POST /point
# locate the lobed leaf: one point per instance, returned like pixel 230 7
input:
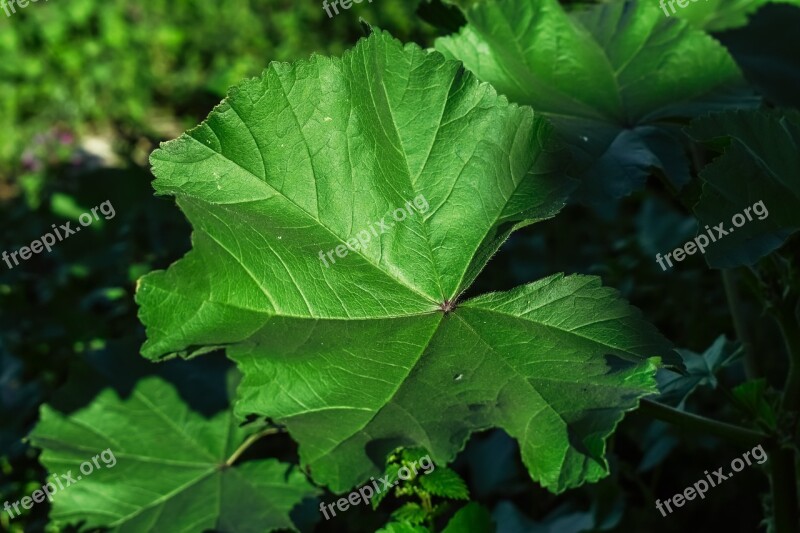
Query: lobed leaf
pixel 378 351
pixel 754 168
pixel 171 470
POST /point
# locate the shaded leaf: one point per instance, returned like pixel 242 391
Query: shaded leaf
pixel 758 402
pixel 566 518
pixel 701 370
pixel 472 518
pixel 613 79
pixel 766 51
pixel 662 227
pixel 719 15
pixel 759 165
pixel 493 465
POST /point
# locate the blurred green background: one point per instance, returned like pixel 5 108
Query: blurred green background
pixel 137 72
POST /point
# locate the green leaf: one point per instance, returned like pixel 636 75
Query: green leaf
pixel 409 455
pixel 445 483
pixel 437 13
pixel 409 458
pixel 170 470
pixel 410 513
pixel 613 79
pixel 754 169
pixel 433 380
pixel 390 475
pixel 472 518
pixel 719 15
pixel 701 370
pixel 377 351
pixel 300 161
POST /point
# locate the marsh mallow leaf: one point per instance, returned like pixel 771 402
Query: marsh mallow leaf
pixel 374 348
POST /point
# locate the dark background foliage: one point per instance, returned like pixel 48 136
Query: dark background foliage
pixel 88 88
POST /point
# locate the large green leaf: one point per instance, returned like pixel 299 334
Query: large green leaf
pixel 614 79
pixel 173 441
pixel 760 166
pixel 377 350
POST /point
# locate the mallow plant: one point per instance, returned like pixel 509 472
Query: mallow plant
pixel 380 357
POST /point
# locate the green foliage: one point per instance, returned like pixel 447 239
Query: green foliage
pixel 413 344
pixel 470 519
pixel 613 79
pixel 146 67
pixel 385 353
pixel 58 306
pixel 114 405
pixel 445 483
pixel 427 483
pixel 410 513
pixel 758 140
pixel 701 371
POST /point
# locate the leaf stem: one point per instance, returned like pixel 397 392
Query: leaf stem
pixel 751 368
pixel 784 490
pixel 690 421
pixel 249 442
pixel 791 336
pixel 427 505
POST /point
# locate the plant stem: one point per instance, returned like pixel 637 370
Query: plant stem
pixel 751 369
pixel 249 442
pixel 690 421
pixel 428 507
pixel 784 490
pixel 791 336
